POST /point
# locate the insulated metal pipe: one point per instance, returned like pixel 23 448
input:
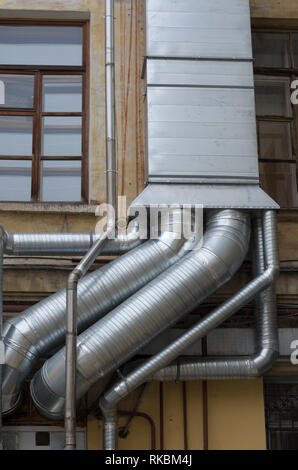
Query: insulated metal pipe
pixel 71 340
pixel 149 370
pixel 69 244
pixel 111 160
pixel 266 323
pixel 121 333
pixel 41 328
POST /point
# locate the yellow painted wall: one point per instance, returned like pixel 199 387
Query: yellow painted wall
pixel 236 418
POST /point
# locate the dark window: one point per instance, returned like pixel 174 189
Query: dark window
pixel 281 405
pixel 43 112
pixel 42 438
pixel 276 67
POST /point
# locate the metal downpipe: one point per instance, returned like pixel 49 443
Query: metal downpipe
pixel 150 370
pixel 110 113
pixel 120 334
pixel 71 340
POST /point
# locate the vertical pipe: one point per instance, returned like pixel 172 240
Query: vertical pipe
pixel 111 162
pixel 110 429
pixel 71 363
pixel 71 339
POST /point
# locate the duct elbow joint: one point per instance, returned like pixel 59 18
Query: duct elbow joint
pixel 272 272
pixel 73 279
pixel 264 360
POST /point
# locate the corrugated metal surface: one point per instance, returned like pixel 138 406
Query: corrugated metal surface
pixel 201 106
pixel 199 73
pixel 202 132
pixel 198 28
pixel 201 109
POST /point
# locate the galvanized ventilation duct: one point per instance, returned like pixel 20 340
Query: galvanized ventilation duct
pixel 265 320
pixel 67 244
pixel 42 327
pixel 255 366
pixel 202 143
pixel 121 333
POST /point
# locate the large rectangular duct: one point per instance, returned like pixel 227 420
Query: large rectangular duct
pixel 202 143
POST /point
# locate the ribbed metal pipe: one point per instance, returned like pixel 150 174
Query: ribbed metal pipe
pixel 67 244
pixel 266 321
pixel 41 328
pixel 267 333
pixel 121 333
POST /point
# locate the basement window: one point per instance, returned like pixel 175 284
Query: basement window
pixel 43 111
pixel 42 439
pixel 276 66
pixel 281 406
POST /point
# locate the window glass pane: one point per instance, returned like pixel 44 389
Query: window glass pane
pixel 16 135
pixel 273 97
pixel 62 136
pixel 62 93
pixel 279 181
pixel 295 48
pixel 15 180
pixel 271 50
pixel 40 45
pixel 275 140
pixel 16 91
pixel 42 439
pixel 61 180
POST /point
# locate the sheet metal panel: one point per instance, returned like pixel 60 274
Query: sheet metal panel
pixel 192 133
pixel 198 28
pixel 199 73
pixel 211 196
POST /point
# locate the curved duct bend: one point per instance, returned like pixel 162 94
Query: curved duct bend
pixel 265 319
pixel 207 367
pixel 41 328
pixel 121 333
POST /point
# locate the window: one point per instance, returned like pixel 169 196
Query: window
pixel 42 439
pixel 281 406
pixel 276 66
pixel 43 112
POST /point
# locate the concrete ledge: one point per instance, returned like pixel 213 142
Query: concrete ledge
pixel 65 208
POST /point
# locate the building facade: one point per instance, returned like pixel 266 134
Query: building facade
pixel 58 191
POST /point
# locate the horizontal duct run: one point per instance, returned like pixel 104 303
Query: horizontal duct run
pixel 121 333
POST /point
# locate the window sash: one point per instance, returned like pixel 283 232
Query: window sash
pixel 283 170
pixel 38 115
